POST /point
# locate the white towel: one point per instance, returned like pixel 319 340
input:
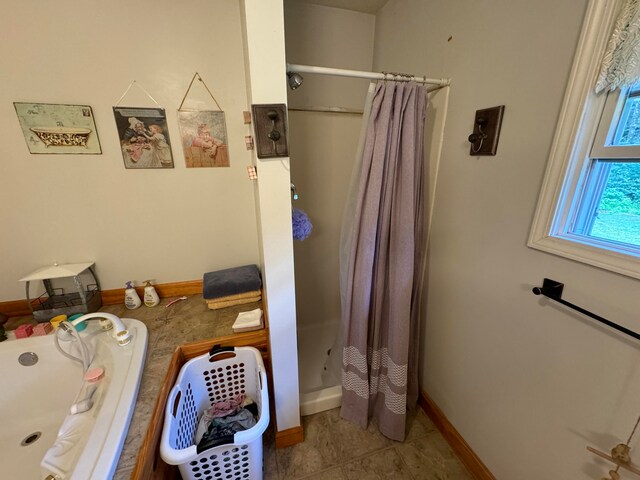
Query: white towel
pixel 247 321
pixel 61 458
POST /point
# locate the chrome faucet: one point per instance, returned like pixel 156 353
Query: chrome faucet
pixel 122 335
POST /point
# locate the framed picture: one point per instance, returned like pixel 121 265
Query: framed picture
pixel 204 138
pixel 58 129
pixel 144 137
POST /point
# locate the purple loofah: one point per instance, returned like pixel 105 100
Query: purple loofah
pixel 301 224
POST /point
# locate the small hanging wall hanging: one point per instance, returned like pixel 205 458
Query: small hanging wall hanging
pixel 204 133
pixel 620 457
pixel 143 134
pixel 58 129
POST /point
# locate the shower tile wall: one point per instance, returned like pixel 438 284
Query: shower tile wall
pixel 314 341
pixel 321 182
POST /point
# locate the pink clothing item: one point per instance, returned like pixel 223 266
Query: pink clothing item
pixel 135 150
pixel 220 410
pixel 227 407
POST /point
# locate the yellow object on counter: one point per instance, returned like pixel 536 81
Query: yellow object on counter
pixel 55 321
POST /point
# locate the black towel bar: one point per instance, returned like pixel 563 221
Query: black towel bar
pixel 553 290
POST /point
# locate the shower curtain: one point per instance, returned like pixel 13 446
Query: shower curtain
pixel 381 269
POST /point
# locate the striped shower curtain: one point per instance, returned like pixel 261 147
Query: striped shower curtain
pixel 382 268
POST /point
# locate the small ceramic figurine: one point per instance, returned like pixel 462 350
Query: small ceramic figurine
pixel 621 453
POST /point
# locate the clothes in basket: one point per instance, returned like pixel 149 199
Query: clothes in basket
pixel 224 419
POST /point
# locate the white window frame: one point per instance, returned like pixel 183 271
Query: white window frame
pixel 603 146
pixel 569 157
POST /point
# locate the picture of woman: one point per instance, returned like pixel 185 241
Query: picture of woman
pixel 142 146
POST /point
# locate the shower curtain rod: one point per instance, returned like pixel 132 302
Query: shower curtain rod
pixel 340 72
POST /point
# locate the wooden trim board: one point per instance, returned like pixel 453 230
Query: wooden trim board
pixel 257 339
pixel 461 448
pixel 149 464
pixel 19 308
pixel 15 308
pixel 289 437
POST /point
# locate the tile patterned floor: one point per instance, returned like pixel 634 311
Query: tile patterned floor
pixel 335 449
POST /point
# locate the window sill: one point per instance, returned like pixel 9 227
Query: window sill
pixel 574 249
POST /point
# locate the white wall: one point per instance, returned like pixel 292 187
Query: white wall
pixel 527 383
pixel 323 147
pixel 263 30
pixel 170 225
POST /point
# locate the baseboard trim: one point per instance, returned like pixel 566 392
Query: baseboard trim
pixel 18 308
pixel 461 448
pixel 289 437
pixel 15 308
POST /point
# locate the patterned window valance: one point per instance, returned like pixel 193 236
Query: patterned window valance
pixel 621 62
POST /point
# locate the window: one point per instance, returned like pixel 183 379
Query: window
pixel 607 207
pixel 589 206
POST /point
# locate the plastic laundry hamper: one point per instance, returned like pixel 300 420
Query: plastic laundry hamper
pixel 217 376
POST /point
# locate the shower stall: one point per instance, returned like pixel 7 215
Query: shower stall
pixel 324 125
pixel 325 118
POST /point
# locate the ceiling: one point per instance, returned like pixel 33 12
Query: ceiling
pixel 364 6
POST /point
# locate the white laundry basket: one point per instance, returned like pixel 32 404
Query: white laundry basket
pixel 217 376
